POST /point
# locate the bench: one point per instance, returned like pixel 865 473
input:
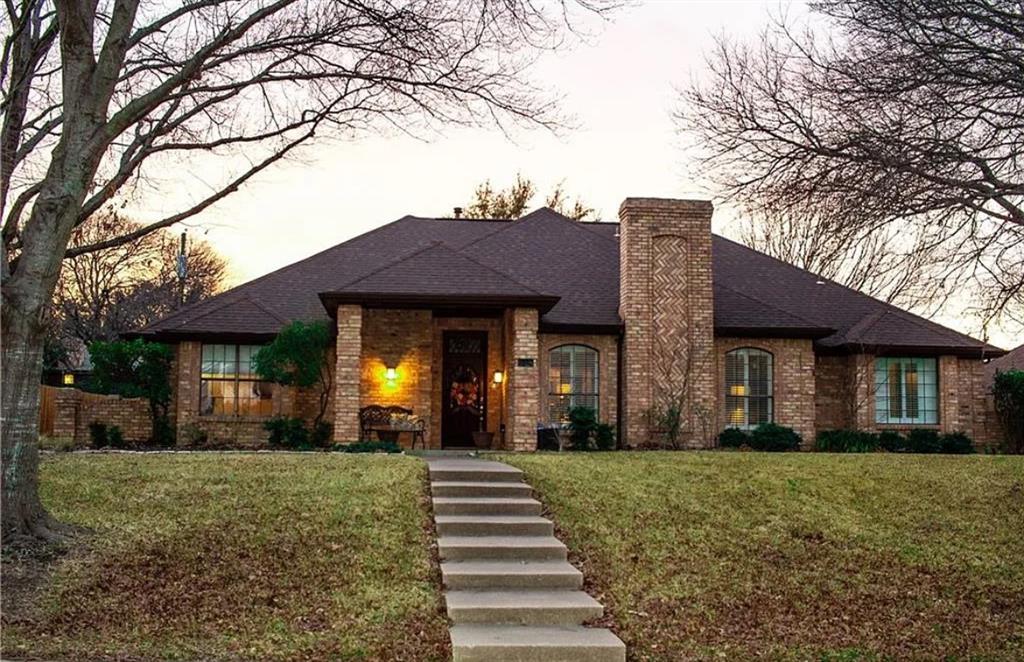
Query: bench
pixel 378 418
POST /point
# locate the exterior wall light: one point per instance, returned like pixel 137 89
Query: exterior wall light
pixel 390 374
pixel 499 376
pixel 69 378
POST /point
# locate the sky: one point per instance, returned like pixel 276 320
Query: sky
pixel 620 87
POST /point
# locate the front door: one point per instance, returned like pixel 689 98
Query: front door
pixel 463 384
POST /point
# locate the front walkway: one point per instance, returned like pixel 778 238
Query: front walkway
pixel 510 593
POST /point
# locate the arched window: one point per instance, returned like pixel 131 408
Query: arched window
pixel 748 387
pixel 572 380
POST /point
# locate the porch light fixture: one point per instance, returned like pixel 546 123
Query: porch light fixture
pixel 390 374
pixel 499 376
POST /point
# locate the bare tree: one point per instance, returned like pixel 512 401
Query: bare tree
pixel 99 95
pixel 515 201
pixel 890 149
pixel 105 293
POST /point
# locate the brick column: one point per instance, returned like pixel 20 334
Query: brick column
pixel 862 374
pixel 347 373
pixel 949 391
pixel 665 301
pixel 188 363
pixel 523 380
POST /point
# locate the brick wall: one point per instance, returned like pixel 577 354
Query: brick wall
pixel 608 370
pixel 523 393
pixel 347 373
pixel 845 397
pixel 793 381
pixel 666 303
pixel 74 410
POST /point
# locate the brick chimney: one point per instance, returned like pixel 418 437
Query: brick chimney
pixel 665 301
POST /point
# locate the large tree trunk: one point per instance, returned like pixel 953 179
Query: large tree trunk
pixel 23 512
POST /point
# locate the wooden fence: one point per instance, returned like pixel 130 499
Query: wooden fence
pixel 47 409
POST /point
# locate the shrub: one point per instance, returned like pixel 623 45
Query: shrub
pixel 322 433
pixel 194 436
pixel 604 437
pixel 846 441
pixel 137 369
pixel 733 438
pixel 669 420
pixel 773 438
pixel 892 441
pixel 547 439
pixel 920 440
pixel 98 434
pixel 1008 392
pixel 298 356
pixel 287 432
pixel 956 443
pixel 582 425
pixel 370 447
pixel 115 438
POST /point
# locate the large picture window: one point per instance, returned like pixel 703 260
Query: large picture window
pixel 748 387
pixel 572 380
pixel 906 391
pixel 229 385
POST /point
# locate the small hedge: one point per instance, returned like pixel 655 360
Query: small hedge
pixel 765 437
pixel 917 440
pixel 287 432
pixel 369 447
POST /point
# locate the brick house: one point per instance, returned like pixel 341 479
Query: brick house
pixel 504 325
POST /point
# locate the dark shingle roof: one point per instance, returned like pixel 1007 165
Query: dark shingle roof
pixel 574 266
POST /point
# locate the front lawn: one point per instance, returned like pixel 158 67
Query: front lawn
pixel 798 555
pixel 233 556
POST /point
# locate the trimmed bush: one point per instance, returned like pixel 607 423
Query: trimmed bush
pixel 287 432
pixel 774 438
pixel 920 440
pixel 370 447
pixel 733 438
pixel 582 425
pixel 846 441
pixel 604 437
pixel 98 434
pixel 892 441
pixel 322 433
pixel 115 438
pixel 956 443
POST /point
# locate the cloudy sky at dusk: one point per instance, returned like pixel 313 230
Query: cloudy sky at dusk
pixel 620 87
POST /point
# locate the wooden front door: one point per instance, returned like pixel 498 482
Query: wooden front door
pixel 464 387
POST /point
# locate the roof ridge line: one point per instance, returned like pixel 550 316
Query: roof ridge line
pixel 905 314
pixel 493 270
pixel 387 265
pixel 282 269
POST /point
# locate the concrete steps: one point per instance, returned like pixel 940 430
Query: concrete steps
pixel 468 489
pixel 510 593
pixel 486 506
pixel 501 548
pixel 493 525
pixel 489 643
pixel 522 607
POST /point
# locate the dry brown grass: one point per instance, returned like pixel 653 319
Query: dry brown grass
pixel 269 557
pixel 797 556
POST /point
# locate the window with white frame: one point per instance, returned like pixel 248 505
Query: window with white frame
pixel 748 387
pixel 572 380
pixel 906 391
pixel 229 385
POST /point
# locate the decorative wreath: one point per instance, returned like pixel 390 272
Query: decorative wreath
pixel 465 389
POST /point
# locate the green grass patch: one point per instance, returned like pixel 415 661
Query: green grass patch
pixel 796 556
pixel 236 556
